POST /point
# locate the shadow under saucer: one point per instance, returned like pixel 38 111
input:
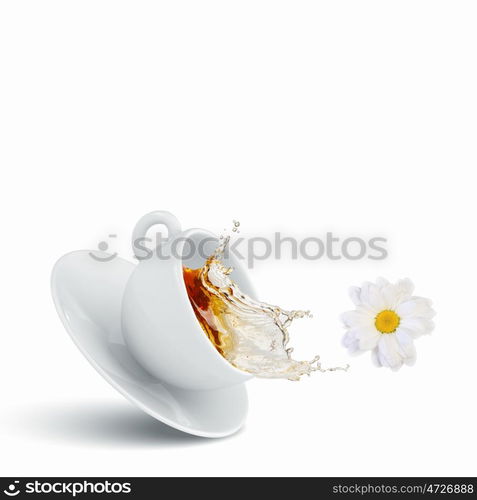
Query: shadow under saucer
pixel 97 423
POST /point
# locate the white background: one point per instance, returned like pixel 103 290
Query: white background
pixel 300 116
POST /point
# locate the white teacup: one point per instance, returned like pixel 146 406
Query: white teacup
pixel 160 326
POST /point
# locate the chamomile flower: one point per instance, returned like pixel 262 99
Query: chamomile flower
pixel 386 321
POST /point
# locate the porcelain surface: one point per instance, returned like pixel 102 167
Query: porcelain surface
pixel 88 294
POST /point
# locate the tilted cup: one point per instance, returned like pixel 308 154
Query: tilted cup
pixel 159 323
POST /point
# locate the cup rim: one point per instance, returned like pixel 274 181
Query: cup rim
pixel 178 268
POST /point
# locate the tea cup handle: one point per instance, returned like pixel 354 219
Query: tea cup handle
pixel 147 221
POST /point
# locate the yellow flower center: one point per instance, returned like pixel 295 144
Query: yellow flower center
pixel 387 321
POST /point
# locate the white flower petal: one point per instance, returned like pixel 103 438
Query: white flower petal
pixel 354 293
pixel 406 344
pixel 417 326
pixel 368 338
pixel 349 337
pixel 404 287
pixel 389 352
pixel 376 299
pixel 364 296
pixel 381 282
pixel 356 318
pixel 350 341
pixel 375 357
pixel 390 296
pixel 416 306
pixel 371 296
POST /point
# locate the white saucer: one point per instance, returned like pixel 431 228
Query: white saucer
pixel 87 294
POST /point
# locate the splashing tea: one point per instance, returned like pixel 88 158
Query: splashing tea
pixel 252 335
